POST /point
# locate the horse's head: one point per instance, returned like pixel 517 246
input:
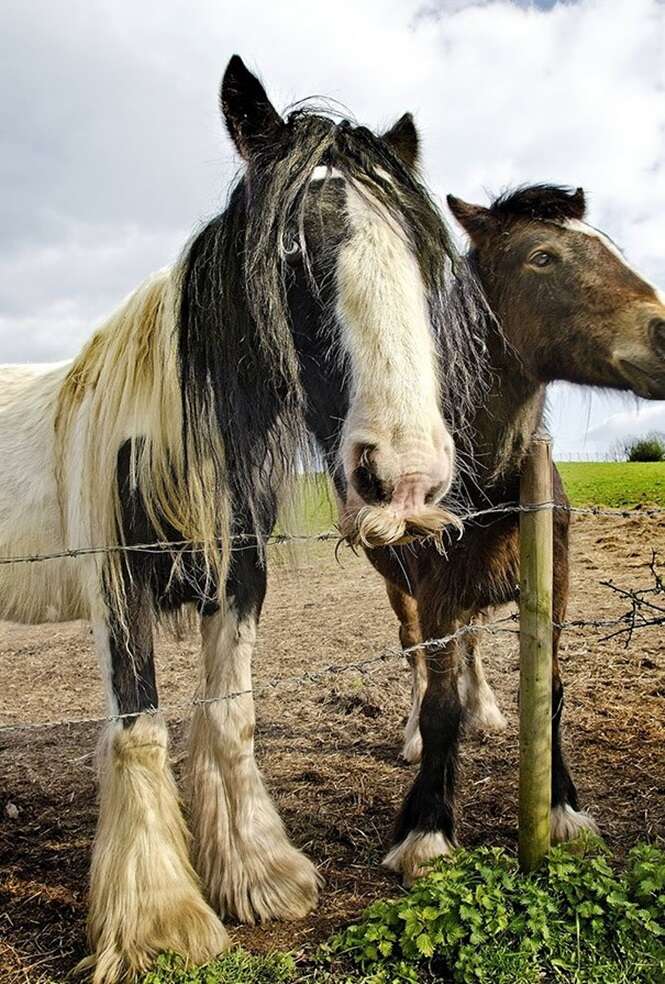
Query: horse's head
pixel 564 294
pixel 362 258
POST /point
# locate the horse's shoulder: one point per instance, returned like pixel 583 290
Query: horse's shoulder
pixel 29 379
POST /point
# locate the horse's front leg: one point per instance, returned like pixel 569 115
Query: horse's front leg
pixel 144 895
pixel 425 827
pixel 241 850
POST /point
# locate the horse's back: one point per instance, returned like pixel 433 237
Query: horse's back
pixel 30 518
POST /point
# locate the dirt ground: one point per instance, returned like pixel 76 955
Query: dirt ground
pixel 329 749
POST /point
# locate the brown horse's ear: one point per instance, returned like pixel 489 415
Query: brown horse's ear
pixel 578 203
pixel 474 219
pixel 251 119
pixel 403 140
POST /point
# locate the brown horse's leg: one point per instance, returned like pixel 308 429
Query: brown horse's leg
pixel 567 819
pixel 426 825
pixel 480 706
pixel 406 609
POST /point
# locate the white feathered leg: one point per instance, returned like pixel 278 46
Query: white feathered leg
pixel 242 853
pixel 144 895
pixel 413 744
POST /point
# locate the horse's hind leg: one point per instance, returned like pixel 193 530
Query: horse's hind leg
pixel 242 853
pixel 480 706
pixel 406 609
pixel 567 820
pixel 144 895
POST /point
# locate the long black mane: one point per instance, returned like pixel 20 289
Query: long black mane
pixel 238 363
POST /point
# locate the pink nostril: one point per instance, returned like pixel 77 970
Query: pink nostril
pixel 406 478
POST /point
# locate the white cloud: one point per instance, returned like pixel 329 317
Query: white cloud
pixel 630 423
pixel 113 149
pixel 81 278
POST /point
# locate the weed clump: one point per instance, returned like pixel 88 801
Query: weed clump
pixel 476 918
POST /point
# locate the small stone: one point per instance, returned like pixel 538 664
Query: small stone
pixel 12 811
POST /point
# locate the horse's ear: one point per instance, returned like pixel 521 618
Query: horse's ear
pixel 474 219
pixel 403 140
pixel 578 202
pixel 251 119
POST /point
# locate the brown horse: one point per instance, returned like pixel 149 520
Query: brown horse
pixel 566 306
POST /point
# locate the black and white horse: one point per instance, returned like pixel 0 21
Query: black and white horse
pixel 319 302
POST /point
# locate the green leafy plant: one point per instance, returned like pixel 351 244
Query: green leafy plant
pixel 477 919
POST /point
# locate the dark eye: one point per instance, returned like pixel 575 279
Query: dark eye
pixel 541 258
pixel 291 249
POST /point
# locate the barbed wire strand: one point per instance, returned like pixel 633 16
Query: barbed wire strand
pixel 250 539
pixel 310 676
pixel 627 623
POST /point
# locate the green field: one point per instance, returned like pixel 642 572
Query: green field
pixel 614 483
pixel 618 484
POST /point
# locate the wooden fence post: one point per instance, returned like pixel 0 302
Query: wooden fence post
pixel 535 656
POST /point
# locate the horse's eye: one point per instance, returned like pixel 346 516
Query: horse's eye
pixel 291 250
pixel 540 258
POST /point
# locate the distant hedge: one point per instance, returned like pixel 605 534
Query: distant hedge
pixel 648 448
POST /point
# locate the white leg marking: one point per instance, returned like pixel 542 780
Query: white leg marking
pixel 476 695
pixel 241 850
pixel 144 895
pixel 567 823
pixel 409 858
pixel 413 743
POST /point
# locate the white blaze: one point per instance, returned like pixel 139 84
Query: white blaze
pixel 386 334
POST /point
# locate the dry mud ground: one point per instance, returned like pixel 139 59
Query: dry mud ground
pixel 328 749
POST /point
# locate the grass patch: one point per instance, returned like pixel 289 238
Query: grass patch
pixel 235 967
pixel 313 509
pixel 618 484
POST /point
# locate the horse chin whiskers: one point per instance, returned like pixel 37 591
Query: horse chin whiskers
pixel 378 526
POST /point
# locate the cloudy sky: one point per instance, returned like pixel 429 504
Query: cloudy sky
pixel 112 149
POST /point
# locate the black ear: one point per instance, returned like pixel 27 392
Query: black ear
pixel 578 204
pixel 403 140
pixel 476 221
pixel 251 119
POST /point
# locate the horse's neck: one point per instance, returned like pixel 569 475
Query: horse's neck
pixel 511 415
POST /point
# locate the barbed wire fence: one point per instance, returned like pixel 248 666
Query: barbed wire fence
pixel 645 608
